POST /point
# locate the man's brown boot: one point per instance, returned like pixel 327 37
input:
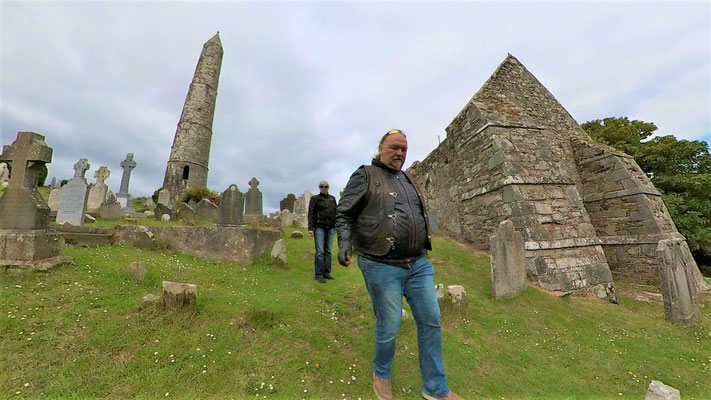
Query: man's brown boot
pixel 450 396
pixel 382 388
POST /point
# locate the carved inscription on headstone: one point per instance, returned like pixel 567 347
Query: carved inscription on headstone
pixel 75 193
pixel 231 207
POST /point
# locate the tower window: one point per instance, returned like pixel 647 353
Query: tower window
pixel 186 172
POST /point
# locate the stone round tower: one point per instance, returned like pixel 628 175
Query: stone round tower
pixel 190 154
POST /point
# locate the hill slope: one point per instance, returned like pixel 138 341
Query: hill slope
pixel 264 331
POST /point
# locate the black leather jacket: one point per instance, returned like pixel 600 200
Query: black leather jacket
pixel 322 211
pixel 384 217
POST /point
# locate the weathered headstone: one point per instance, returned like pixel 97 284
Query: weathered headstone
pixel 205 210
pixel 57 184
pixel 122 196
pixel 164 197
pixel 110 209
pixel 165 217
pixel 678 282
pixel 434 223
pixel 186 212
pixel 4 173
pixel 253 199
pixel 150 203
pixel 231 207
pixel 279 251
pixel 98 191
pixel 179 295
pixel 301 209
pixel 52 183
pixel 508 261
pixel 24 216
pixel 287 203
pixel 55 197
pixel 297 235
pixel 160 210
pixel 287 218
pixel 659 391
pixel 75 193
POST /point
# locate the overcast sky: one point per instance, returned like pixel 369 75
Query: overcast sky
pixel 308 88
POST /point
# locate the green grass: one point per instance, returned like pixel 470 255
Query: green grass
pixel 77 332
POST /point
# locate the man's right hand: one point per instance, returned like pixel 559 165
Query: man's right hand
pixel 344 255
pixel 311 233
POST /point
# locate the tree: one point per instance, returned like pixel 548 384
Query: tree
pixel 680 170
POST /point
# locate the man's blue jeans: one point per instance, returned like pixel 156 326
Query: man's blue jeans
pixel 386 285
pixel 323 239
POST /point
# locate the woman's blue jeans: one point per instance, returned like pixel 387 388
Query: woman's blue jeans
pixel 323 239
pixel 387 285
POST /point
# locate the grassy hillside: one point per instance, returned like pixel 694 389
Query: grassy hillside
pixel 265 331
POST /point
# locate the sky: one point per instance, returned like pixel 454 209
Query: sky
pixel 307 89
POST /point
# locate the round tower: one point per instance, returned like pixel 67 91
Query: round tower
pixel 190 154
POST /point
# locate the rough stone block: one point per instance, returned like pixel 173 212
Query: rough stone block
pixel 508 271
pixel 678 282
pixel 458 296
pixel 659 391
pixel 297 235
pixel 137 270
pixel 179 295
pixel 279 251
pixel 150 301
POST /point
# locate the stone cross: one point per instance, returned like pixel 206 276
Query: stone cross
pixel 253 183
pixel 25 155
pixel 128 164
pixel 22 207
pixel 81 167
pixel 253 199
pixel 101 175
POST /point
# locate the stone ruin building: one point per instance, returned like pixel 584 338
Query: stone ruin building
pixel 587 212
pixel 190 154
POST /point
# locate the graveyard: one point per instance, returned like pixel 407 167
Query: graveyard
pixel 565 274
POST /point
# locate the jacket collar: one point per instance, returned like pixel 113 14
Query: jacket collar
pixel 379 164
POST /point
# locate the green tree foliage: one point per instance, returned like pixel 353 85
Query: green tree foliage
pixel 680 169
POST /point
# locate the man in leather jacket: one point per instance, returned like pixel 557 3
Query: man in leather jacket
pixel 382 218
pixel 322 218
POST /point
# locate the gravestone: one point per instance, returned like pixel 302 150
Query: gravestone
pixel 150 203
pixel 110 209
pixel 432 219
pixel 508 261
pixel 205 210
pixel 279 251
pixel 231 207
pixel 75 193
pixel 301 209
pixel 97 193
pixel 160 210
pixel 287 218
pixel 179 295
pixel 164 197
pixel 24 216
pixel 186 212
pixel 287 203
pixel 678 282
pixel 55 196
pixel 4 173
pixel 123 197
pixel 52 183
pixel 253 199
pixel 458 296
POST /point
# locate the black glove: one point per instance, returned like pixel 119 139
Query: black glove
pixel 344 254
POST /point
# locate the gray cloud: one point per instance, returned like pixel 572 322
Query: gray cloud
pixel 306 89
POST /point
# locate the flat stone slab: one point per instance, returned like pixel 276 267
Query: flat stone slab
pixel 231 243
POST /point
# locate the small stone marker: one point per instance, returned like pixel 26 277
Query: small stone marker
pixel 165 217
pixel 287 219
pixel 253 199
pixel 279 251
pixel 439 291
pixel 297 235
pixel 458 296
pixel 301 209
pixel 186 212
pixel 110 209
pixel 678 283
pixel 231 208
pixel 149 301
pixel 206 210
pixel 287 203
pixel 75 194
pixel 149 213
pixel 150 203
pixel 508 261
pixel 137 270
pixel 98 191
pixel 660 391
pixel 179 295
pixel 52 183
